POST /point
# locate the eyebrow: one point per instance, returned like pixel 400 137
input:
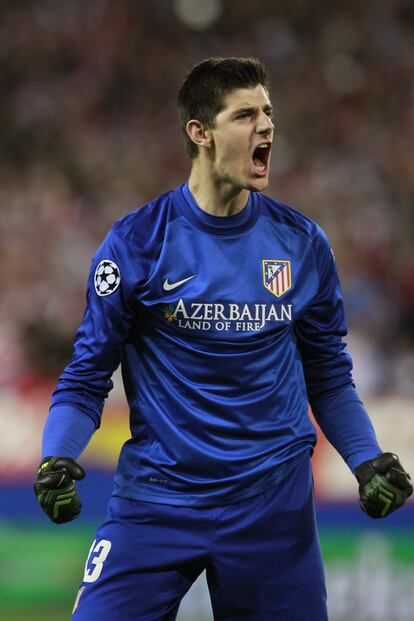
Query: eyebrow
pixel 266 108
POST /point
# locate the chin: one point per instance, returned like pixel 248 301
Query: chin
pixel 258 184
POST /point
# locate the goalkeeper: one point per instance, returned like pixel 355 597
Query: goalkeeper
pixel 224 308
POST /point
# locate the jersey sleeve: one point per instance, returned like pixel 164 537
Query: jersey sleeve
pixel 105 328
pixel 326 362
pixel 327 366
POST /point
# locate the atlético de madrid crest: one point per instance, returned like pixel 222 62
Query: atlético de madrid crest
pixel 277 276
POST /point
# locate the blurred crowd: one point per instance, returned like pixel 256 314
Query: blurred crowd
pixel 89 131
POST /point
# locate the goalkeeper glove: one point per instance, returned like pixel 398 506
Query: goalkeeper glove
pixel 384 485
pixel 55 489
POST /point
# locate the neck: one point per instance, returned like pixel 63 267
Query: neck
pixel 215 196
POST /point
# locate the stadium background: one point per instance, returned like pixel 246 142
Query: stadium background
pixel 88 131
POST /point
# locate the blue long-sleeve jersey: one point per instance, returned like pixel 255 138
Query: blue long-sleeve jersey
pixel 226 327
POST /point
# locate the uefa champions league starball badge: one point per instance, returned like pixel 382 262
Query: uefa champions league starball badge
pixel 107 277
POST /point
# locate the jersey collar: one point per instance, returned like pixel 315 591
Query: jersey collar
pixel 216 225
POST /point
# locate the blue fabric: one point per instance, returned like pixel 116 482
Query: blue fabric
pixel 225 328
pixel 346 424
pixel 262 558
pixel 76 427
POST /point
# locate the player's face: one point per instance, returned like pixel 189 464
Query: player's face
pixel 242 136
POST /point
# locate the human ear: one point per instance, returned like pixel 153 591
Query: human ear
pixel 200 135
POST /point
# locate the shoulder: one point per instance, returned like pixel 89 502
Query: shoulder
pixel 147 221
pixel 135 240
pixel 280 213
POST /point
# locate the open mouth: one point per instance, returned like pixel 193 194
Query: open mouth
pixel 261 158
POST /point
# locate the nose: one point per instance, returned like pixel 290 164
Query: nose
pixel 265 124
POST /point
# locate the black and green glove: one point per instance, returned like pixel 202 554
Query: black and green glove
pixel 55 489
pixel 384 485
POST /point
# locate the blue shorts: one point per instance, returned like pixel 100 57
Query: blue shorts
pixel 261 555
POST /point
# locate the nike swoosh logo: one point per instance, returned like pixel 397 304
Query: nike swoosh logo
pixel 167 286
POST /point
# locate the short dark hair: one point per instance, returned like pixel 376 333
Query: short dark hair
pixel 205 87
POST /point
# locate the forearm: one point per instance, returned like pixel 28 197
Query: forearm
pixel 67 431
pixel 345 422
